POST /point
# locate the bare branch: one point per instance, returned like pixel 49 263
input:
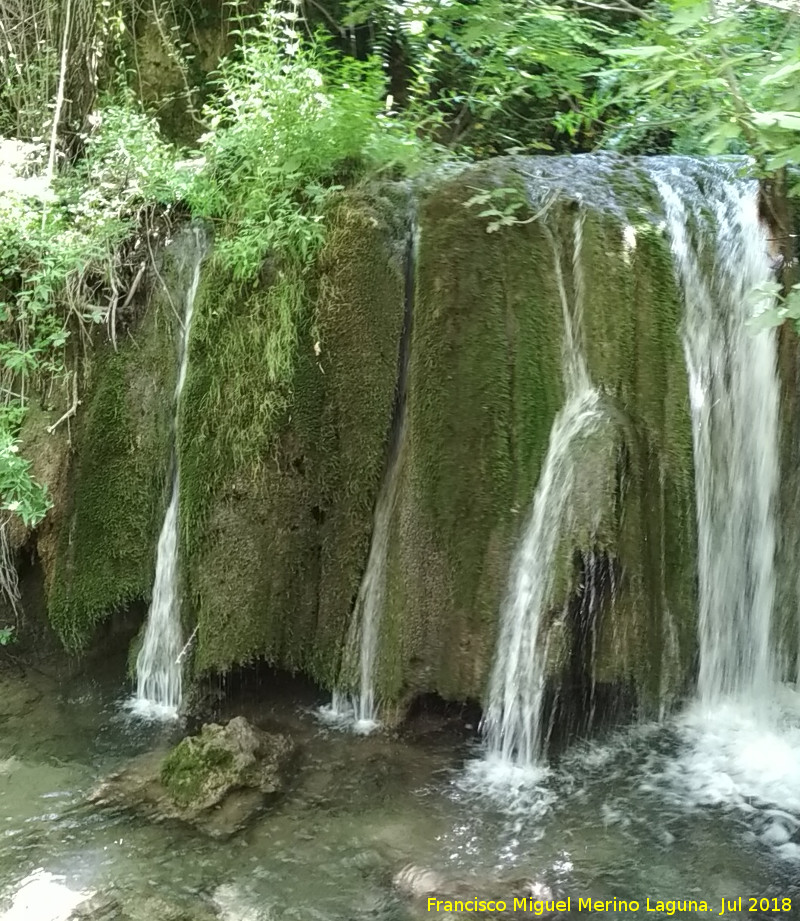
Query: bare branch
pixel 72 410
pixel 621 6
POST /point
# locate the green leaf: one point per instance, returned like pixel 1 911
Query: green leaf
pixel 780 73
pixel 788 120
pixel 785 157
pixel 687 18
pixel 767 319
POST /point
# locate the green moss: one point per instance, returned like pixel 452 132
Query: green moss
pixel 242 355
pixel 633 342
pixel 106 544
pixel 285 423
pixel 787 626
pixel 188 769
pixel 278 480
pixel 485 385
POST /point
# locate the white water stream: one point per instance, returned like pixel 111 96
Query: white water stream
pixel 721 260
pixel 742 733
pixel 512 722
pixel 360 710
pixel 158 666
pixel 740 738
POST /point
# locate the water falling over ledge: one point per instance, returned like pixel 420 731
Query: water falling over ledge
pixel 738 742
pixel 359 711
pixel 512 722
pixel 741 734
pixel 159 691
pixel 721 261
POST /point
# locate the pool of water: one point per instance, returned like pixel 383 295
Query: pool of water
pixel 676 811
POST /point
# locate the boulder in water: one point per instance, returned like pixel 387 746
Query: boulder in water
pixel 215 781
pixel 202 770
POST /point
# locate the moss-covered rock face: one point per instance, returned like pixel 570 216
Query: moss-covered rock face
pixel 485 384
pixel 191 767
pixel 785 213
pixel 279 474
pixel 278 481
pixel 106 532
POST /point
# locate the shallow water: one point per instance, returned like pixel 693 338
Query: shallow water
pixel 632 818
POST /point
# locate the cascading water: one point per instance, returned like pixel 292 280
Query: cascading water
pixel 721 259
pixel 158 667
pixel 742 734
pixel 360 710
pixel 512 722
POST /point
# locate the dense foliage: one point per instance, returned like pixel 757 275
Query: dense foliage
pixel 313 97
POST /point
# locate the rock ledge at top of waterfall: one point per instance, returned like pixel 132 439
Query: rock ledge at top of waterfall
pixel 216 781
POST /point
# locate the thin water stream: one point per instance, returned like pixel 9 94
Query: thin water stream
pixel 158 666
pixel 358 709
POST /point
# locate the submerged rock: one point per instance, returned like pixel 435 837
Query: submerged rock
pixel 104 906
pixel 113 906
pixel 418 884
pixel 216 781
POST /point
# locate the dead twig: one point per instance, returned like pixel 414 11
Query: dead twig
pixel 72 410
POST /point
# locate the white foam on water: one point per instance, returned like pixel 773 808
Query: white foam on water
pixel 728 757
pixel 151 711
pixel 733 756
pixel 342 713
pixel 234 904
pixel 364 727
pixel 517 789
pixel 43 896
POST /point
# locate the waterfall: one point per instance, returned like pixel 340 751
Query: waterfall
pixel 158 668
pixel 360 710
pixel 512 722
pixel 721 260
pixel 741 736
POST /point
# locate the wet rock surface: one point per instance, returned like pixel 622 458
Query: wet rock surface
pixel 103 906
pixel 215 781
pixel 417 884
pixel 112 905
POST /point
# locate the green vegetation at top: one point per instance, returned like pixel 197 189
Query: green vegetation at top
pixel 292 122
